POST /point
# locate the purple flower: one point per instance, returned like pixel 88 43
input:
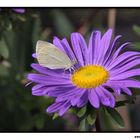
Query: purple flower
pixel 101 66
pixel 18 10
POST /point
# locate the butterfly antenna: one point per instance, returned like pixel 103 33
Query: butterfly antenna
pixel 28 84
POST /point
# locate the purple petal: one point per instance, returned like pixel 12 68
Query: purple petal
pixel 110 51
pixel 54 73
pixel 127 74
pixel 62 107
pixel 65 107
pixel 38 90
pixel 127 91
pixel 124 62
pixel 57 43
pixel 125 83
pixel 68 49
pixel 109 95
pixel 126 67
pixel 41 69
pixel 79 48
pixel 116 53
pixel 83 100
pixel 34 55
pixel 93 43
pixel 60 90
pixel 125 56
pixel 104 45
pixel 55 107
pixel 115 88
pixel 69 94
pixel 93 98
pixel 103 98
pixel 19 10
pixel 96 47
pixel 120 49
pixel 41 92
pixel 75 99
pixel 48 80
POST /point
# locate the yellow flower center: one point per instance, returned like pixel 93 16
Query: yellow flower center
pixel 90 76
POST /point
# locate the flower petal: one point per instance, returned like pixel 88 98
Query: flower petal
pixel 46 71
pixel 34 55
pixel 103 98
pixel 96 47
pixel 93 44
pixel 93 98
pixel 83 99
pixel 120 49
pixel 68 49
pixel 40 90
pixel 109 95
pixel 79 48
pixel 75 99
pixel 104 45
pixel 19 10
pixel 55 107
pixel 127 91
pixel 64 108
pixel 60 90
pixel 127 74
pixel 126 67
pixel 125 83
pixel 127 56
pixel 69 94
pixel 57 43
pixel 110 51
pixel 48 80
pixel 115 88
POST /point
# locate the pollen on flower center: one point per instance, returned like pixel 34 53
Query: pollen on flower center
pixel 90 76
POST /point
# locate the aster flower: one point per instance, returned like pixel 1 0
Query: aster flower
pixel 18 10
pixel 101 66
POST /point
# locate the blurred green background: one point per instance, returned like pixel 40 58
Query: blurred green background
pixel 19 110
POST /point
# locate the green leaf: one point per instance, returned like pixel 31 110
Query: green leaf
pixel 137 45
pixel 124 102
pixel 55 116
pixel 36 30
pixel 82 111
pixel 115 116
pixel 62 23
pixel 39 121
pixel 106 124
pixel 91 118
pixel 82 126
pixel 136 29
pixel 4 52
pixel 3 70
pixel 21 18
pixel 45 34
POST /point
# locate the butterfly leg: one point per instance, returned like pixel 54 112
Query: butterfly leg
pixel 64 72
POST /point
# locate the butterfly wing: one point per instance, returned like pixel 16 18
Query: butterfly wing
pixel 52 57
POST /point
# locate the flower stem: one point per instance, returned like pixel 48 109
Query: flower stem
pixel 97 123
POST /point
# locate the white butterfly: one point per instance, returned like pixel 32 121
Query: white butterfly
pixel 52 57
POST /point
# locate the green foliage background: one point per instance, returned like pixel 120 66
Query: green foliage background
pixel 19 110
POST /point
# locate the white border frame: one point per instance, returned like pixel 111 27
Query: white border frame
pixel 69 3
pixel 68 136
